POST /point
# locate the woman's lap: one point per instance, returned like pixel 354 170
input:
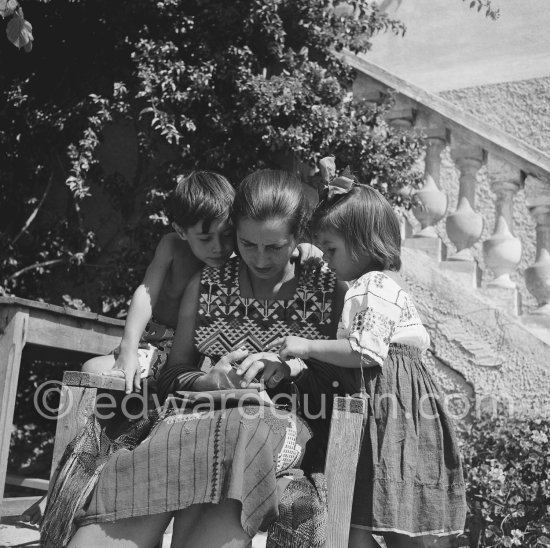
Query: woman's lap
pixel 202 457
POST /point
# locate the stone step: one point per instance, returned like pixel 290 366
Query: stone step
pixel 19 534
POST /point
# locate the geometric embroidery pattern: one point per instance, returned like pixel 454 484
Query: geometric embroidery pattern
pixel 378 312
pixel 227 321
pixel 379 325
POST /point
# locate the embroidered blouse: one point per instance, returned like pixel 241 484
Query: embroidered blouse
pixel 377 312
pixel 227 321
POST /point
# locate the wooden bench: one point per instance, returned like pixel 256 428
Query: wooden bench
pixel 24 322
pixel 52 326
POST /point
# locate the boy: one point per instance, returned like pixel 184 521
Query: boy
pixel 203 235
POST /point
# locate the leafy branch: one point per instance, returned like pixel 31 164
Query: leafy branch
pixel 490 11
pixel 18 29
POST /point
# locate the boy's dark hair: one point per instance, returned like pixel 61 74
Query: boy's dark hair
pixel 272 194
pixel 201 196
pixel 366 221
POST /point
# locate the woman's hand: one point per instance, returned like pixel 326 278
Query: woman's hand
pixel 268 364
pixel 222 375
pixel 292 347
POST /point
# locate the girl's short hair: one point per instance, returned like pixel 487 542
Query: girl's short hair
pixel 366 221
pixel 272 194
pixel 202 196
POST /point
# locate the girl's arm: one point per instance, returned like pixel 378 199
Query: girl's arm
pixel 336 352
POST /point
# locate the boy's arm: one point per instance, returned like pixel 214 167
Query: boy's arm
pixel 140 312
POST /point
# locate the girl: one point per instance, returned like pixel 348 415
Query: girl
pixel 409 482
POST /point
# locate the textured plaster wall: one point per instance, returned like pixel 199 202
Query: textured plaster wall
pixel 522 109
pixel 478 351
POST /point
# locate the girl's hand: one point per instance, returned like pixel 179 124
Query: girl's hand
pixel 272 368
pixel 291 347
pixel 127 366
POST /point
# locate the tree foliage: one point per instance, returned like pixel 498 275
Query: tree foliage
pixel 227 86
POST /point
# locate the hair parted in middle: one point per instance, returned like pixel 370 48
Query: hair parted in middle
pixel 366 221
pixel 272 194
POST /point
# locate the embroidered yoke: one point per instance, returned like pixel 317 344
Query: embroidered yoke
pixel 226 321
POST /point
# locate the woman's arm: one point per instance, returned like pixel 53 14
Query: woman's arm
pixel 181 369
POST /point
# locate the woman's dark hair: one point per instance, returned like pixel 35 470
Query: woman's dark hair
pixel 366 221
pixel 272 194
pixel 202 196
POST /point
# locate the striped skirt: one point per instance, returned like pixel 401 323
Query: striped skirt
pixel 193 457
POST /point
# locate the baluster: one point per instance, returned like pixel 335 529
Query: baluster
pixel 401 116
pixel 537 277
pixel 432 200
pixel 502 251
pixel 464 226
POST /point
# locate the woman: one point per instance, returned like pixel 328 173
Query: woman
pixel 215 472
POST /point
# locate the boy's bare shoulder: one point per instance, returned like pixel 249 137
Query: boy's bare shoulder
pixel 173 246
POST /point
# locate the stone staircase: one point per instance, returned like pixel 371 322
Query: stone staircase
pixel 483 357
pixel 479 270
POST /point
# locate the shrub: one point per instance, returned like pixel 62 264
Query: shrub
pixel 506 463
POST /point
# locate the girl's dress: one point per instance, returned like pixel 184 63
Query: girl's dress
pixel 195 456
pixel 409 477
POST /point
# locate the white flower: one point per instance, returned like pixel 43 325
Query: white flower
pixel 517 535
pixel 539 437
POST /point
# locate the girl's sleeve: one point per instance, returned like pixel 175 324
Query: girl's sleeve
pixel 370 315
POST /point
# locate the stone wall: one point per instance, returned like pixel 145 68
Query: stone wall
pixel 478 354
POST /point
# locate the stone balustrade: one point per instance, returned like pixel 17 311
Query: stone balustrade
pixel 508 165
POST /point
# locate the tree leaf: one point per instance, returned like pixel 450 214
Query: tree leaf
pixel 19 31
pixel 8 7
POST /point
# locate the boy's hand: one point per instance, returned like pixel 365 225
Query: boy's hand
pixel 309 251
pixel 291 347
pixel 127 366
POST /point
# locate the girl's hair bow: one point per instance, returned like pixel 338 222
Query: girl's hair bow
pixel 333 185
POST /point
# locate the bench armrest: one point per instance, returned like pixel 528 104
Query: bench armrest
pixel 344 444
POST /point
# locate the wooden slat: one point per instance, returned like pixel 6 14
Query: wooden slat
pixel 93 380
pixel 342 455
pixel 32 306
pixel 23 481
pixel 68 333
pixel 12 339
pixel 524 157
pixel 15 506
